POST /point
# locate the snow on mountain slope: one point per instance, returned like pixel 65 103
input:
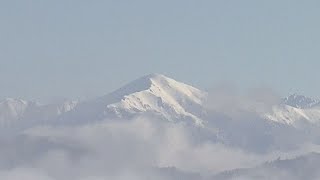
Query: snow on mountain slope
pixel 153 94
pixel 301 102
pixel 296 110
pixel 64 107
pixel 18 111
pixel 172 99
pixel 50 111
pixel 293 116
pixel 12 110
pixel 287 114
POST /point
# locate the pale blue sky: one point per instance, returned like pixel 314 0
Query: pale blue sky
pixel 77 48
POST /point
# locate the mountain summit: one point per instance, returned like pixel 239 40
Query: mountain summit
pixel 157 93
pixel 300 101
pixel 152 94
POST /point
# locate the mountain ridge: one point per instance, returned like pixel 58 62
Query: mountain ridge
pixel 300 101
pixel 154 94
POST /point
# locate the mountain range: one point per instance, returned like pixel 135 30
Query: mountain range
pixel 153 94
pixel 285 126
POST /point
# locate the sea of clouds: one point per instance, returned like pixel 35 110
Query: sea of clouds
pixel 149 148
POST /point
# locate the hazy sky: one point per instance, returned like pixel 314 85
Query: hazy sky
pixel 84 48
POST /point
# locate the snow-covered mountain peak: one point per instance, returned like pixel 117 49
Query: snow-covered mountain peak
pixel 13 101
pixel 11 108
pixel 137 85
pixel 154 94
pixel 156 83
pixel 18 111
pixel 296 110
pixel 158 94
pixel 300 101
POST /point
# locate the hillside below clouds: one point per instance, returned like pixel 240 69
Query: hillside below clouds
pixel 302 167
